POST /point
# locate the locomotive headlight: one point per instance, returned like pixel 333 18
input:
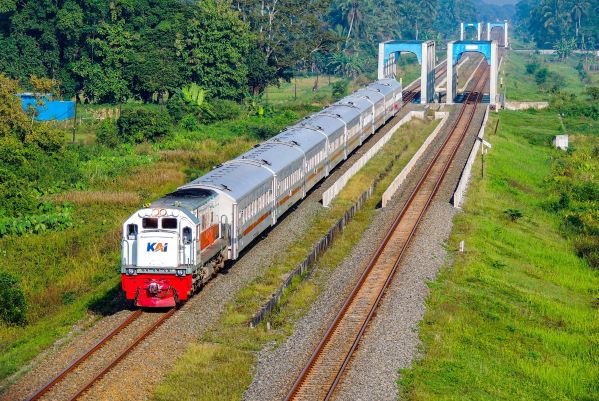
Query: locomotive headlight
pixel 131 272
pixel 180 272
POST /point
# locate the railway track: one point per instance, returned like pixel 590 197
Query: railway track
pixel 116 335
pixel 409 94
pixel 324 369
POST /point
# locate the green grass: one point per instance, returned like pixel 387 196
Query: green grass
pixel 233 336
pixel 515 316
pixel 521 86
pixel 286 93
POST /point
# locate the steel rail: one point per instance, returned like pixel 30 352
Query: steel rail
pixel 478 96
pixel 124 353
pixel 58 378
pixel 473 97
pixel 409 94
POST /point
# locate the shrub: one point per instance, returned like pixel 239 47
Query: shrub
pixel 339 88
pixel 108 134
pixel 48 218
pixel 190 123
pixel 221 110
pixel 588 247
pixel 138 125
pixel 13 308
pixel 541 75
pixel 177 107
pixel 513 214
pixel 593 92
pixel 532 67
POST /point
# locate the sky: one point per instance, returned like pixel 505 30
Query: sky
pixel 500 2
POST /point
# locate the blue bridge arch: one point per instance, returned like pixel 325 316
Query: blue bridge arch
pixel 424 50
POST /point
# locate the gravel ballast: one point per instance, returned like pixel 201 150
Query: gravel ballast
pixel 392 338
pixel 136 375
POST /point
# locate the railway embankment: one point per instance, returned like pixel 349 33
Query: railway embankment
pixel 515 314
pixel 232 342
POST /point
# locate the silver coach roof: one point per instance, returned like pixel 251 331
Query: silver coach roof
pixel 233 179
pixel 371 93
pixel 386 86
pixel 274 156
pixel 328 124
pixel 347 112
pixel 358 101
pixel 306 138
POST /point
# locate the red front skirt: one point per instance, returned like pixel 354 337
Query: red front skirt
pixel 157 290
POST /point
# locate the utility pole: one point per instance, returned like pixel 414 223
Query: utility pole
pixel 75 120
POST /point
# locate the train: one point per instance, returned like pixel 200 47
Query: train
pixel 173 247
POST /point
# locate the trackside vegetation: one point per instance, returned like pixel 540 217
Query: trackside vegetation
pixel 62 204
pixel 228 349
pixel 515 316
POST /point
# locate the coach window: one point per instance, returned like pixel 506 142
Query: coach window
pixel 131 231
pixel 169 223
pixel 149 222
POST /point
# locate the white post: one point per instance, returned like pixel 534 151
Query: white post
pixel 381 61
pixel 461 31
pixel 449 95
pixel 505 41
pixel 488 31
pixel 493 80
pixel 424 74
pixel 479 30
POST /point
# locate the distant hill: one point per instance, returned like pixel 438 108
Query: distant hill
pixel 496 10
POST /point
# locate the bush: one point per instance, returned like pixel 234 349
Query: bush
pixel 190 123
pixel 138 125
pixel 513 214
pixel 13 308
pixel 177 107
pixel 593 92
pixel 588 247
pixel 339 88
pixel 532 67
pixel 49 217
pixel 222 110
pixel 541 75
pixel 108 134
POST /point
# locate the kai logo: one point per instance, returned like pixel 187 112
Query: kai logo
pixel 157 247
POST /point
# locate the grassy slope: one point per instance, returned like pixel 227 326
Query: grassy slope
pixel 66 275
pixel 522 86
pixel 515 317
pixel 228 350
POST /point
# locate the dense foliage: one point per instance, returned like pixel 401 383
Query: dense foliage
pixel 116 50
pixel 560 24
pixel 33 159
pixel 13 307
pixel 112 50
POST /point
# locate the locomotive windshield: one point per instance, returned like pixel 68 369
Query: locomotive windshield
pixel 169 223
pixel 149 222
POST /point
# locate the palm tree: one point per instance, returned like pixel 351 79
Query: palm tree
pixel 579 9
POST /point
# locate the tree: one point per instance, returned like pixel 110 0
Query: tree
pixel 215 47
pixel 287 33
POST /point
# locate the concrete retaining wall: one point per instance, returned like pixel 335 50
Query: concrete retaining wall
pixel 333 191
pixel 394 186
pixel 526 105
pixel 458 195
